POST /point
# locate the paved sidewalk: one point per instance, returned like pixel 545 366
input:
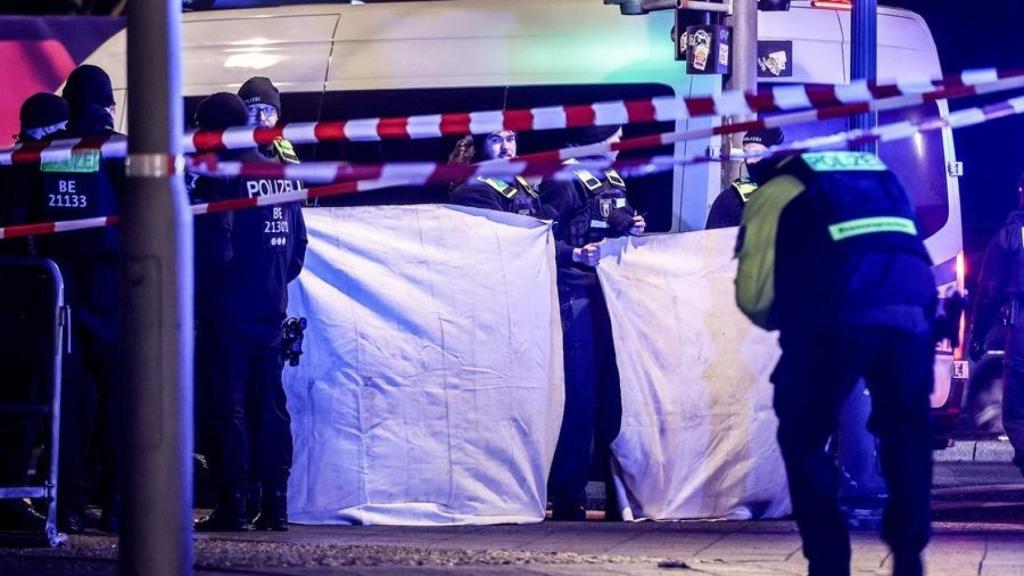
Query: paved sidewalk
pixel 591 548
pixel 981 451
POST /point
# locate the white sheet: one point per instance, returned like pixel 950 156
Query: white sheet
pixel 431 390
pixel 698 430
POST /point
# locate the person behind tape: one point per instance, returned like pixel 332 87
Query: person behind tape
pixel 244 262
pixel 506 194
pixel 41 115
pixel 727 209
pixel 87 185
pixel 586 209
pixel 1001 289
pixel 263 104
pixel 830 254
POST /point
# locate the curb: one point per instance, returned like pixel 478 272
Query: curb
pixel 980 451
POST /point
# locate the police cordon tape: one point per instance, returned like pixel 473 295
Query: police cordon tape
pixel 656 109
pixel 420 174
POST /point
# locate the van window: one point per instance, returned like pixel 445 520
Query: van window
pixel 919 162
pixel 650 194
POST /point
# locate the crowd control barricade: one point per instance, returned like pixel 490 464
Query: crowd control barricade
pixel 33 321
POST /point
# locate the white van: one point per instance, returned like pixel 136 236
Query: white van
pixel 342 61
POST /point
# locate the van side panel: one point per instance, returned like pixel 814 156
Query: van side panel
pixel 495 42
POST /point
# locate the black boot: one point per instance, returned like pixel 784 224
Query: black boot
pixel 228 516
pixel 273 508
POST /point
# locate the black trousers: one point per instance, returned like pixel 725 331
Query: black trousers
pixel 248 406
pixel 593 404
pixel 1013 393
pixel 816 373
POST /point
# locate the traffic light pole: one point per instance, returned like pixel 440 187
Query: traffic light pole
pixel 864 60
pixel 743 73
pixel 156 295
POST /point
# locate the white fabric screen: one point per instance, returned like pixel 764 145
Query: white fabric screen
pixel 431 390
pixel 698 429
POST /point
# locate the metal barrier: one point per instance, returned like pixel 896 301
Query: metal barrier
pixel 33 316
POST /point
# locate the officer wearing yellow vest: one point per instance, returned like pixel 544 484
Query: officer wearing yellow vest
pixel 587 209
pixel 830 254
pixel 514 195
pixel 727 209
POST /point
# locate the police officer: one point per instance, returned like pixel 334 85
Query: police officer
pixel 515 195
pixel 41 115
pixel 1001 287
pixel 263 103
pixel 247 258
pixel 830 254
pixel 587 209
pixel 727 209
pixel 87 185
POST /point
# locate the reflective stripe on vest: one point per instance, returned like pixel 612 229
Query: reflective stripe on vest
pixel 873 225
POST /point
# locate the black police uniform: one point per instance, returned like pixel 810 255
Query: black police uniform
pixel 249 257
pixel 515 196
pixel 727 209
pixel 1002 288
pixel 85 186
pixel 587 209
pixel 830 254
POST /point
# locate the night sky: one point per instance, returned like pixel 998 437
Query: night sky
pixel 976 34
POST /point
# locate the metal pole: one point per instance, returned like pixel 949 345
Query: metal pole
pixel 744 69
pixel 864 61
pixel 156 289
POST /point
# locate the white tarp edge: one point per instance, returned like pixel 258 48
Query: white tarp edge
pixel 431 390
pixel 698 429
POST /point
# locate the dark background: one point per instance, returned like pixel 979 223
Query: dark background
pixel 977 34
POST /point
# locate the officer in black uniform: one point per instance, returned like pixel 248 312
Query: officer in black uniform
pixel 727 209
pixel 247 258
pixel 1001 287
pixel 87 185
pixel 263 102
pixel 515 195
pixel 587 210
pixel 830 254
pixel 41 115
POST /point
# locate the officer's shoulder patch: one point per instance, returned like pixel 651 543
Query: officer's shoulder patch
pixel 82 162
pixel 525 186
pixel 841 161
pixel 589 180
pixel 745 189
pixel 500 187
pixel 285 151
pixel 614 178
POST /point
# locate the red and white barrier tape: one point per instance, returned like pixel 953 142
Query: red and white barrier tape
pixel 415 174
pixel 657 109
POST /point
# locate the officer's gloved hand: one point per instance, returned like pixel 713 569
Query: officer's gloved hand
pixel 976 349
pixel 620 221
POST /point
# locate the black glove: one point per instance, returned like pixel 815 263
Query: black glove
pixel 620 220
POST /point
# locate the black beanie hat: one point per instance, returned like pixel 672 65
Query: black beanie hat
pixel 43 109
pixel 593 134
pixel 221 110
pixel 766 137
pixel 88 85
pixel 260 90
